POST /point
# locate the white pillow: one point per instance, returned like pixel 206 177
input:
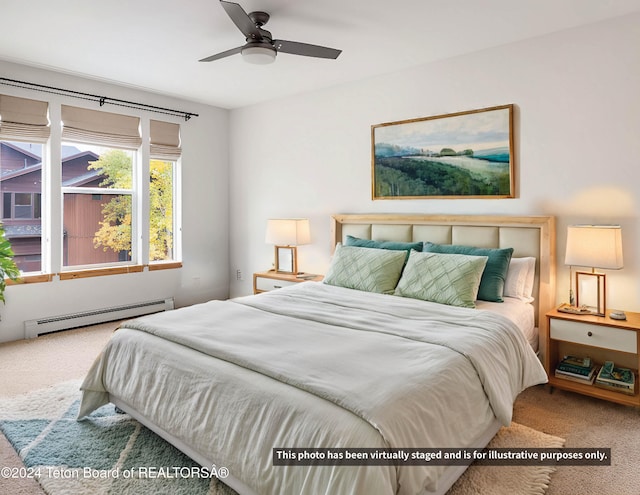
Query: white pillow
pixel 520 277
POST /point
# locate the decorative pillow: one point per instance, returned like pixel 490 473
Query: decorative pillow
pixel 495 273
pixel 451 279
pixel 520 277
pixel 392 245
pixel 367 269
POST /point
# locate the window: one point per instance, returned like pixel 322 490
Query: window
pixel 98 187
pixel 21 205
pixel 163 177
pixel 24 128
pixel 21 187
pixel 161 211
pixel 105 214
pixel 98 198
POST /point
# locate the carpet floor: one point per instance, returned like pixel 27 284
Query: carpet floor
pixel 586 422
pixel 107 453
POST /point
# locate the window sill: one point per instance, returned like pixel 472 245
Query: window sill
pixel 164 265
pixel 30 279
pixel 93 272
pixel 99 272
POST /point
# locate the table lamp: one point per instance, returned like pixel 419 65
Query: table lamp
pixel 286 234
pixel 595 246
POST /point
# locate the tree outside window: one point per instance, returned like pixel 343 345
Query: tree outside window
pixel 115 227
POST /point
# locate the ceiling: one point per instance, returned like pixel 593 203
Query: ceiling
pixel 155 45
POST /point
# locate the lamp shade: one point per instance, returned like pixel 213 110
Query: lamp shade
pixel 288 231
pixel 260 55
pixel 596 246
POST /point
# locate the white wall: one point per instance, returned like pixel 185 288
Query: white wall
pixel 577 145
pixel 205 213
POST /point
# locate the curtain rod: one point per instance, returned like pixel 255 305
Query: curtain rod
pixel 100 99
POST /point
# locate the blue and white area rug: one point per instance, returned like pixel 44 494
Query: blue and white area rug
pixel 108 453
pixel 112 453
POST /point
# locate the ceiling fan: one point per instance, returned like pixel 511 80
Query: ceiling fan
pixel 261 48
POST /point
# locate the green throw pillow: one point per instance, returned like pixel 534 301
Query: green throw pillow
pixel 367 269
pixel 495 273
pixel 392 245
pixel 451 279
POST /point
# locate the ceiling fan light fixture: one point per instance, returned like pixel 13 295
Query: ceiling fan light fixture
pixel 260 55
pixel 260 47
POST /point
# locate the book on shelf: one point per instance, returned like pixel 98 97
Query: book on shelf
pixel 575 367
pixel 616 374
pixel 588 379
pixel 616 387
pixel 575 370
pixel 577 361
pixel 620 377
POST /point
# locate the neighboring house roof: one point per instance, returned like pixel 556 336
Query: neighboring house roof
pixel 67 153
pixel 81 180
pixel 24 148
pixel 12 231
pixel 10 174
pixel 72 153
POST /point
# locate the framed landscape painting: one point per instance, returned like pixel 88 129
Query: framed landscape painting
pixel 459 155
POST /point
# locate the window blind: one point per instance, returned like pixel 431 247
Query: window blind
pixel 102 128
pixel 165 140
pixel 24 119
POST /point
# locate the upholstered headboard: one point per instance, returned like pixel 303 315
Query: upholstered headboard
pixel 528 236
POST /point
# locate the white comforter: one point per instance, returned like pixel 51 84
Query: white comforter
pixel 318 366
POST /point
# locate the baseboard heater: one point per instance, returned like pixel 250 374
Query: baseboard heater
pixel 41 326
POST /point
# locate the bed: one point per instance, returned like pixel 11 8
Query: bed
pixel 327 365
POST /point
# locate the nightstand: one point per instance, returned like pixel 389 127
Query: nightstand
pixel 271 280
pixel 599 337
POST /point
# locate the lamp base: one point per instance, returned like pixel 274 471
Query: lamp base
pixel 286 259
pixel 599 291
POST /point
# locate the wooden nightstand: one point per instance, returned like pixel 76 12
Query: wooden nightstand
pixel 271 280
pixel 599 337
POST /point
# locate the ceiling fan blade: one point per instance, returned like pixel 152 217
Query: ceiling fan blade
pixel 306 49
pixel 220 55
pixel 241 19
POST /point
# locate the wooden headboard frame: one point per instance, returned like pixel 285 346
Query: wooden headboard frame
pixel 528 236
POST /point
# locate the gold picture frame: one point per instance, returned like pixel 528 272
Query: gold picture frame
pixel 458 155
